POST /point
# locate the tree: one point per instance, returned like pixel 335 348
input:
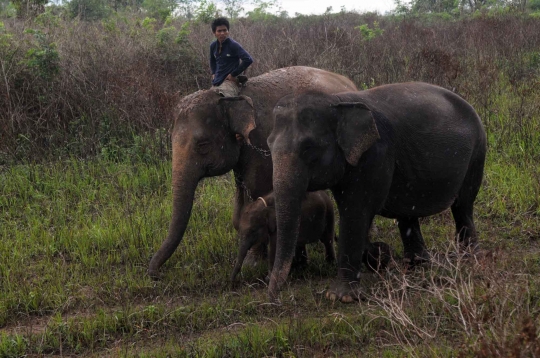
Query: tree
pixel 7 9
pixel 233 8
pixel 159 9
pixel 29 8
pixel 448 6
pixel 206 12
pixel 118 5
pixel 187 8
pixel 261 11
pixel 434 5
pixel 88 9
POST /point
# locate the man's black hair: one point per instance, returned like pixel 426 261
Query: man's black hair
pixel 220 21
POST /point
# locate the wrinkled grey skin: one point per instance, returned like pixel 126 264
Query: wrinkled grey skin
pixel 211 136
pixel 403 151
pixel 258 227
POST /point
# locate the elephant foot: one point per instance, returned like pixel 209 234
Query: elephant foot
pixel 334 296
pixel 470 248
pixel 273 296
pixel 345 293
pixel 343 298
pixel 235 284
pixel 154 274
pixel 255 256
pixel 377 257
pixel 412 259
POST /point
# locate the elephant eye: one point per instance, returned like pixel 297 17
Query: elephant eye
pixel 203 146
pixel 310 152
pixel 309 147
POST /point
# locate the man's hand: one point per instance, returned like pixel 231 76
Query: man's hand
pixel 213 77
pixel 231 78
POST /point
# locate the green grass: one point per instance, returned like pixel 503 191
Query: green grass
pixel 76 235
pixel 76 238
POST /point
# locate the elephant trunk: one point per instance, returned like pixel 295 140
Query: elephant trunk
pixel 290 185
pixel 242 252
pixel 184 185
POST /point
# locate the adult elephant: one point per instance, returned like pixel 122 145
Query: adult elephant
pixel 212 135
pixel 402 151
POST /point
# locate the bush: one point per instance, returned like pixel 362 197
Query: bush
pixel 71 86
pixel 88 9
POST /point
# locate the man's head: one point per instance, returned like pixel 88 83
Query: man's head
pixel 220 28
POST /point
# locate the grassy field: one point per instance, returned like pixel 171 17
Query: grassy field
pixel 76 237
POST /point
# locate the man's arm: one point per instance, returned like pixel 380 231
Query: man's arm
pixel 213 65
pixel 246 59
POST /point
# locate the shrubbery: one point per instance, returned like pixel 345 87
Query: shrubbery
pixel 78 88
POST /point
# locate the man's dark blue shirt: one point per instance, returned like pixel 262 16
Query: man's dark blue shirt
pixel 228 60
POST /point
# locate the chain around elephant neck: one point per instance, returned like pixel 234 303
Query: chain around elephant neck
pixel 265 153
pixel 238 177
pixel 240 183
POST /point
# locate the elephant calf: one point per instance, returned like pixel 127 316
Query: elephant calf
pixel 258 226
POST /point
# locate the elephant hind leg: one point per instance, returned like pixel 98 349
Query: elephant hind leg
pixel 328 238
pixel 378 256
pixel 465 229
pixel 463 206
pixel 301 256
pixel 414 247
pixel 330 253
pixel 463 211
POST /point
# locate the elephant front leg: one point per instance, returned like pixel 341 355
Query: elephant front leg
pixel 355 222
pixel 271 254
pixel 258 253
pixel 238 205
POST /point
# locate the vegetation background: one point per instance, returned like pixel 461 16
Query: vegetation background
pixel 86 93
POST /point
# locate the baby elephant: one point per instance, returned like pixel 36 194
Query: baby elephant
pixel 258 226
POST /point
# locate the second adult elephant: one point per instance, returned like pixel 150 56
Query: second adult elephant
pixel 212 135
pixel 402 151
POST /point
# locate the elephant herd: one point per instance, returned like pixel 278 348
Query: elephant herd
pixel 402 151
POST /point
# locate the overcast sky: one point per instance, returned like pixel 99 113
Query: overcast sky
pixel 308 7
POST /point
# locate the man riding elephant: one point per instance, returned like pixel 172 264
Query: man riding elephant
pixel 228 60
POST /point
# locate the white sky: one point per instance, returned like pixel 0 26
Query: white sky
pixel 318 7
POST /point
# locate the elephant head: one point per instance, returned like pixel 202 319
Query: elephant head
pixel 315 138
pixel 257 226
pixel 206 135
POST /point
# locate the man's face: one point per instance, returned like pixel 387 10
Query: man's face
pixel 221 33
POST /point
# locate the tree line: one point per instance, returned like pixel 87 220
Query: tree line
pixel 189 9
pixel 70 86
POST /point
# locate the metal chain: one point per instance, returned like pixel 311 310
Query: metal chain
pixel 240 182
pixel 238 177
pixel 265 153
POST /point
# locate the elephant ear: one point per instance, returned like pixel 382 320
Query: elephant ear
pixel 356 130
pixel 240 113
